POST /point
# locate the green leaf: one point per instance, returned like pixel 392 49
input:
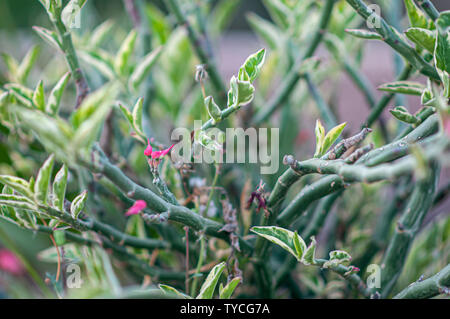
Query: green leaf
pixel 416 17
pixel 252 66
pixel 213 109
pixel 279 236
pixel 97 111
pixel 126 112
pixel 309 257
pixel 27 63
pixel 78 204
pixel 4 99
pixel 12 65
pixel 49 36
pixel 99 60
pixel 241 93
pixel 364 34
pixel 42 183
pixel 222 15
pixel 265 30
pixel 22 94
pixel 121 61
pixel 144 67
pixel 208 287
pixel 422 37
pixel 59 188
pixel 39 96
pixel 100 32
pixel 17 201
pixel 403 115
pixel 172 291
pixel 300 246
pixel 92 103
pixel 332 136
pixel 320 136
pixel 227 291
pixel 54 99
pixel 442 51
pixel 337 257
pixel 18 184
pixel 70 11
pixel 403 87
pixel 53 133
pixel 137 116
pixel 279 12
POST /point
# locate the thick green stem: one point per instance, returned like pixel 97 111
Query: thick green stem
pixel 393 39
pixel 429 9
pixel 428 288
pixel 407 227
pixel 180 214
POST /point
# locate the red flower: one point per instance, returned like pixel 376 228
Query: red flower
pixel 137 207
pixel 10 263
pixel 156 154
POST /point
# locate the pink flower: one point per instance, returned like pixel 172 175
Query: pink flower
pixel 159 154
pixel 10 263
pixel 149 150
pixel 156 154
pixel 137 207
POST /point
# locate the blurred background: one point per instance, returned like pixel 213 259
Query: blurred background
pixel 238 41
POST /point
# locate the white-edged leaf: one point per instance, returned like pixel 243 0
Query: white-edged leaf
pixel 42 183
pixel 78 204
pixel 209 286
pixel 227 291
pixel 59 188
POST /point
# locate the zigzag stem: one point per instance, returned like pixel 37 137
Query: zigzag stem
pixel 428 288
pixel 394 40
pixel 407 227
pixel 386 153
pixel 346 173
pixel 101 165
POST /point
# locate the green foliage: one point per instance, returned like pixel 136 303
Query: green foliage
pixel 75 114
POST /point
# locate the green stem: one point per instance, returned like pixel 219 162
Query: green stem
pixel 180 214
pixel 199 265
pixel 71 57
pixel 407 227
pixel 428 288
pixel 291 79
pixel 429 9
pixel 394 40
pixel 194 37
pixel 324 109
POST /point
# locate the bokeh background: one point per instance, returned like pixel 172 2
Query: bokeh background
pixel 18 16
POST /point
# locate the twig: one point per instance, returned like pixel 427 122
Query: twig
pixel 419 203
pixel 428 288
pixel 394 40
